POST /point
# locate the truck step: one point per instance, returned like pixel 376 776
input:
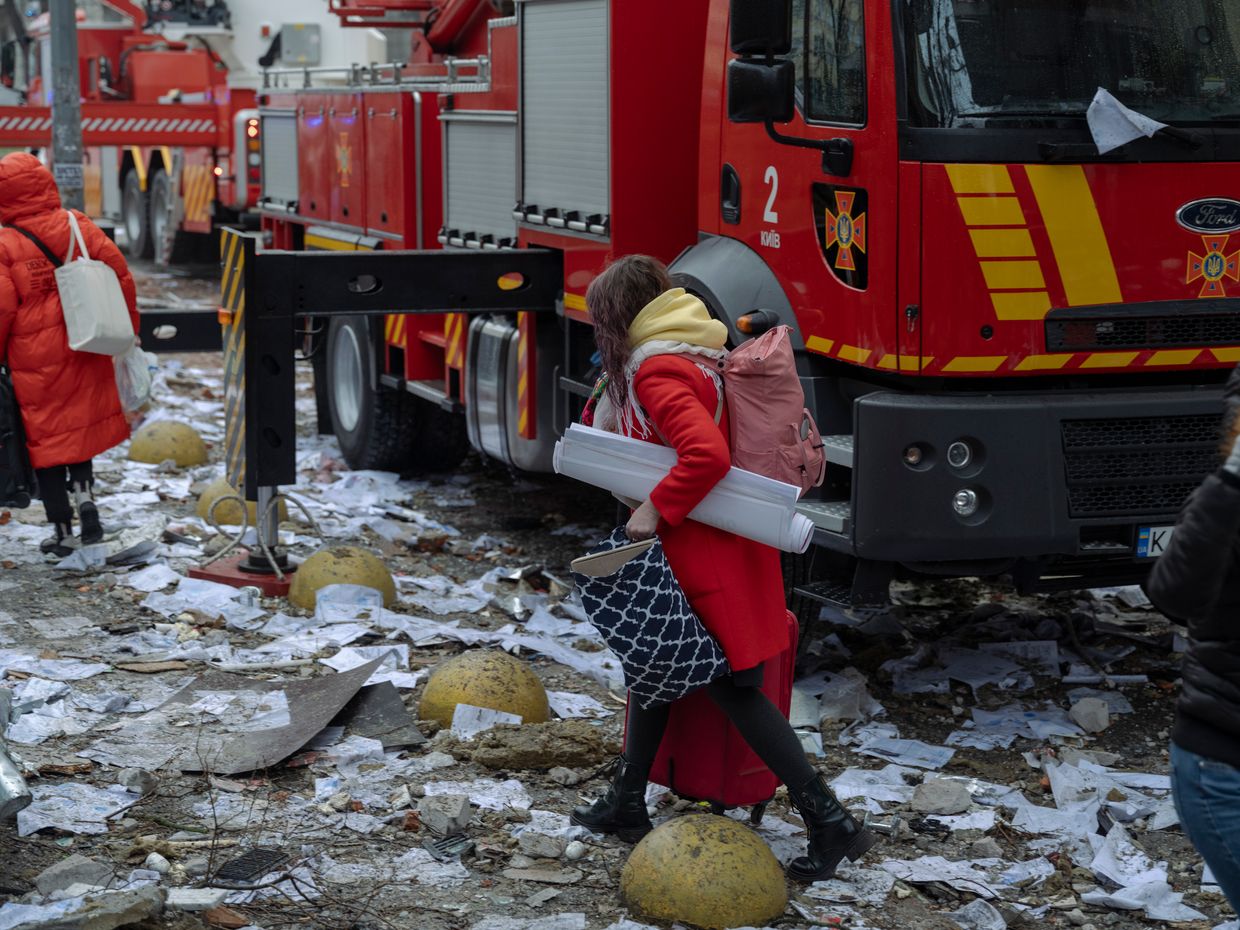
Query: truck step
pixel 834 592
pixel 833 516
pixel 839 450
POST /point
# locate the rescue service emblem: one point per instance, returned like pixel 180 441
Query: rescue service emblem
pixel 1214 267
pixel 845 230
pixel 1212 216
pixel 344 159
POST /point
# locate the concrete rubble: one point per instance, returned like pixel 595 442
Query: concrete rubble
pixel 1014 747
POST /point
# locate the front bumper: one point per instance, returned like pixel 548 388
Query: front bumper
pixel 1063 475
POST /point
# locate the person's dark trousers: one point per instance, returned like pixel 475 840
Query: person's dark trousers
pixel 54 486
pixel 1207 798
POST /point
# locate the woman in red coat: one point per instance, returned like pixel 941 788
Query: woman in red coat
pixel 69 403
pixel 659 347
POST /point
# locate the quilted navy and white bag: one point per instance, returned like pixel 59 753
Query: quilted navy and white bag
pixel 636 604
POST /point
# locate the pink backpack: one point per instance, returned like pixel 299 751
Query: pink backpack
pixel 773 433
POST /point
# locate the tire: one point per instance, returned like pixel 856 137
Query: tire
pixel 136 217
pixel 442 441
pixel 375 428
pixel 180 246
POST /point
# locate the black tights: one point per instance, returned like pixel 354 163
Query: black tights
pixel 765 729
pixel 54 488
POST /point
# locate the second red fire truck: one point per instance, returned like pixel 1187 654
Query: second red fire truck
pixel 1014 343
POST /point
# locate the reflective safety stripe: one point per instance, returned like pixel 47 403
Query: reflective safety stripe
pixel 1077 237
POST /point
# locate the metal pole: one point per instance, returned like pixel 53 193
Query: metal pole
pixel 66 104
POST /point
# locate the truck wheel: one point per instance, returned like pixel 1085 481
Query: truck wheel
pixel 165 250
pixel 375 428
pixel 136 216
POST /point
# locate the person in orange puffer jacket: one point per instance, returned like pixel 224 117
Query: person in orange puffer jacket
pixel 69 403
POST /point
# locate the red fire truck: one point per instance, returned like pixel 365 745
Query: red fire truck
pixel 168 119
pixel 1016 345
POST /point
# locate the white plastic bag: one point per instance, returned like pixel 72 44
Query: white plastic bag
pixel 96 315
pixel 135 372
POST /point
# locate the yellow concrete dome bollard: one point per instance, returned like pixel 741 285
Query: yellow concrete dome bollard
pixel 168 439
pixel 707 871
pixel 484 678
pixel 340 565
pixel 229 512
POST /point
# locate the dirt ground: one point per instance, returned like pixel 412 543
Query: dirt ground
pixel 197 821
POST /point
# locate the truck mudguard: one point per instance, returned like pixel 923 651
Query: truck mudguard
pixel 733 279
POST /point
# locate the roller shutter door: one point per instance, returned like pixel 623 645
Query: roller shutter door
pixel 481 183
pixel 564 101
pixel 279 155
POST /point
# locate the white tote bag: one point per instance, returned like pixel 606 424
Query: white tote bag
pixel 96 315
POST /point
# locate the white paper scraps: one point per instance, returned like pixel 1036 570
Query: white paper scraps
pixel 572 921
pixel 969 875
pixel 54 669
pixel 977 738
pixel 852 885
pixel 885 784
pixel 152 578
pixel 487 793
pixel 839 696
pixel 978 915
pixel 343 603
pixel 442 595
pixel 1042 654
pixel 977 820
pixel 1049 820
pixel 908 752
pixel 1121 862
pixel 74 808
pixel 1129 595
pixel 549 823
pixel 468 721
pixel 1115 701
pixel 16 916
pixel 393 668
pixel 1113 125
pixel 1155 898
pixel 977 669
pixel 568 704
pixel 1027 874
pixel 62 627
pixel 309 642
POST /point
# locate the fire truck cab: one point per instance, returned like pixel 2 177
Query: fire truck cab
pixel 1014 343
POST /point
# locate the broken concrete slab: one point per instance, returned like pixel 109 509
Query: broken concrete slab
pixel 545 876
pixel 195 899
pixel 941 796
pixel 541 846
pixel 107 911
pixel 445 814
pixel 534 746
pixel 74 870
pixel 1091 714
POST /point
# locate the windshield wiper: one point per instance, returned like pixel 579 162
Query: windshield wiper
pixel 1088 151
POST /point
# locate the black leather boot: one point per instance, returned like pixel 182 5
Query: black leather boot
pixel 88 513
pixel 622 809
pixel 834 833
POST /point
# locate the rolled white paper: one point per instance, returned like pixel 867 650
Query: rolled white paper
pixel 743 503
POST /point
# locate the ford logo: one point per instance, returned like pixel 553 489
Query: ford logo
pixel 1215 215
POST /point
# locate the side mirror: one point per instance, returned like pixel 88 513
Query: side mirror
pixel 759 92
pixel 761 27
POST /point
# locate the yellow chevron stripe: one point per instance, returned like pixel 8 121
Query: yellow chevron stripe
pixel 818 344
pixel 574 301
pixel 1044 362
pixel 1109 359
pixel 1229 355
pixel 854 354
pixel 975 363
pixel 980 179
pixel 1174 357
pixel 991 211
pixel 1077 237
pixel 1015 305
pixel 1023 276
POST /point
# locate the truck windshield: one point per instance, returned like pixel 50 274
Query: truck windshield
pixel 1005 62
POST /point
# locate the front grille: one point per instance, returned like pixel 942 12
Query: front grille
pixel 1090 330
pixel 1136 466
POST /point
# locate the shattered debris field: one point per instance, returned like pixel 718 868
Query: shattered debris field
pixel 201 757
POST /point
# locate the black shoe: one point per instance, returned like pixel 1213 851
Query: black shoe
pixel 61 543
pixel 88 513
pixel 834 834
pixel 92 529
pixel 622 809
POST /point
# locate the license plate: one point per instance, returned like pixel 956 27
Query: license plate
pixel 1152 541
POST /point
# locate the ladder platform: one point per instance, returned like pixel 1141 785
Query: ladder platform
pixel 833 516
pixel 839 450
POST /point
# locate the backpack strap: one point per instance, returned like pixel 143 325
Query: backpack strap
pixel 51 257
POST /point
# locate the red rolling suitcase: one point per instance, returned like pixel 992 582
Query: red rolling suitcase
pixel 704 758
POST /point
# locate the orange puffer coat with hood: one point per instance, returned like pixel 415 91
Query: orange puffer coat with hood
pixel 68 399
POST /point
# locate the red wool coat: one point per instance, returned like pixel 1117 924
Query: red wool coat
pixel 734 584
pixel 69 403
